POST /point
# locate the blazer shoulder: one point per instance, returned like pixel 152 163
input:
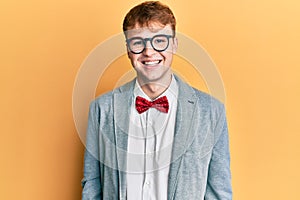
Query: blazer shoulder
pixel 204 99
pixel 103 98
pixel 107 98
pixel 207 100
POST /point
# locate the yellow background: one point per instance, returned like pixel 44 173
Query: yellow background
pixel 255 45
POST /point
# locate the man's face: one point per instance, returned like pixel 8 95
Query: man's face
pixel 152 65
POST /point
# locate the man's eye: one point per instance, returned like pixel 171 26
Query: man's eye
pixel 137 43
pixel 160 40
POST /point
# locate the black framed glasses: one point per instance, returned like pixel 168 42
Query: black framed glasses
pixel 158 42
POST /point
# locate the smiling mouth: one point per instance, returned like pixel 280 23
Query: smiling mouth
pixel 150 63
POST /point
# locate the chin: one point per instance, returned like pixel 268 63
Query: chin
pixel 150 78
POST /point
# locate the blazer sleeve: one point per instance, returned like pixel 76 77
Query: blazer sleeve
pixel 91 186
pixel 219 176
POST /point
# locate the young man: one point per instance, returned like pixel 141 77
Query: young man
pixel 155 137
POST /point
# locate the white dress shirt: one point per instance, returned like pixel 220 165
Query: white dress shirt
pixel 150 142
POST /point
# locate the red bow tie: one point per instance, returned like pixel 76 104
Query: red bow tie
pixel 143 105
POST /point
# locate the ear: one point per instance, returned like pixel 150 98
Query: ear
pixel 175 45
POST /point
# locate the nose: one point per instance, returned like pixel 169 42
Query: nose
pixel 148 49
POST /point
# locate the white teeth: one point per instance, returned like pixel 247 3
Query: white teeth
pixel 151 62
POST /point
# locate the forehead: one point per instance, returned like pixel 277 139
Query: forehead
pixel 149 31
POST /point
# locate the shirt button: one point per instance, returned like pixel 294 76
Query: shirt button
pixel 147 183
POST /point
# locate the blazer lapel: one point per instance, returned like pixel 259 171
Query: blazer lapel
pixel 186 108
pixel 122 104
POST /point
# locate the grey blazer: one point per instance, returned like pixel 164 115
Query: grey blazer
pixel 200 167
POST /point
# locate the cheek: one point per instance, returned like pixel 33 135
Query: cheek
pixel 168 56
pixel 133 59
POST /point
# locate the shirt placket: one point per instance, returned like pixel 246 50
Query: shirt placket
pixel 150 143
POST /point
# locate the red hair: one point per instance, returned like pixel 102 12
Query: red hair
pixel 149 12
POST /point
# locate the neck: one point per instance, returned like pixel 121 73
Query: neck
pixel 154 89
